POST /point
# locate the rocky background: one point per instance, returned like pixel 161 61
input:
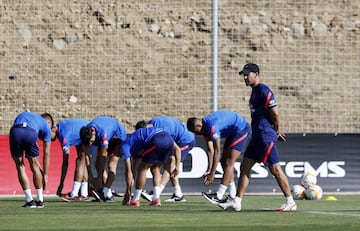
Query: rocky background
pixel 137 59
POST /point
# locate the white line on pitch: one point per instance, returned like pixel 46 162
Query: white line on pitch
pixel 333 213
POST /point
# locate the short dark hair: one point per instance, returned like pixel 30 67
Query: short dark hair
pixel 190 124
pixel 141 124
pixel 48 116
pixel 85 135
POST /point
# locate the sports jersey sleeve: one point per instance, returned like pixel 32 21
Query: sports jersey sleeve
pixel 125 148
pixel 269 96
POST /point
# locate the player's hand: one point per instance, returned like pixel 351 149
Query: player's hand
pixel 209 179
pixel 175 172
pixel 281 137
pixel 206 173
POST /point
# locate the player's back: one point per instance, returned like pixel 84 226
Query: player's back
pixel 225 122
pixel 69 131
pixel 174 127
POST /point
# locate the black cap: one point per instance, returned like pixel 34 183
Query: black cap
pixel 250 67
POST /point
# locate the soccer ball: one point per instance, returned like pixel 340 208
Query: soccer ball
pixel 308 180
pixel 298 192
pixel 313 192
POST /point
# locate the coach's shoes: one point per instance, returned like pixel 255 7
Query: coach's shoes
pixel 155 202
pixel 135 203
pixel 146 196
pixel 230 205
pixel 287 207
pixel 212 198
pixel 30 204
pixel 39 204
pixel 175 198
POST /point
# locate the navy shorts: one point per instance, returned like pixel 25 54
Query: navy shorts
pixel 23 139
pixel 264 151
pixel 160 148
pixel 240 140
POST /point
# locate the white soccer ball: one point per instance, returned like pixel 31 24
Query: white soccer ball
pixel 313 192
pixel 308 179
pixel 298 192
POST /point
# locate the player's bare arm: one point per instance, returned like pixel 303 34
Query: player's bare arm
pixel 275 118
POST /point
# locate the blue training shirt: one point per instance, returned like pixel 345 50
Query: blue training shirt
pixel 36 122
pixel 175 128
pixel 68 133
pixel 106 128
pixel 222 124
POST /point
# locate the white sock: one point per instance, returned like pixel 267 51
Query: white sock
pixel 137 194
pixel 28 196
pixel 177 191
pixel 221 191
pixel 232 189
pixel 289 200
pixel 39 194
pixel 238 199
pixel 84 189
pixel 157 190
pixel 75 189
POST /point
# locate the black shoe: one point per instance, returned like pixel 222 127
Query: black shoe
pixel 147 196
pixel 212 198
pixel 39 204
pixel 103 198
pixel 175 198
pixel 30 204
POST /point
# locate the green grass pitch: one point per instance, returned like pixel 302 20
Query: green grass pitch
pixel 195 214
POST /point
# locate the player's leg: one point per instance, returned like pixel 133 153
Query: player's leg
pixel 18 137
pixel 155 171
pixel 112 166
pixel 140 182
pixel 168 167
pixel 81 176
pixel 228 162
pixel 283 183
pixel 38 179
pixel 244 179
pixel 84 189
pixel 24 182
pixel 243 182
pixel 100 163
